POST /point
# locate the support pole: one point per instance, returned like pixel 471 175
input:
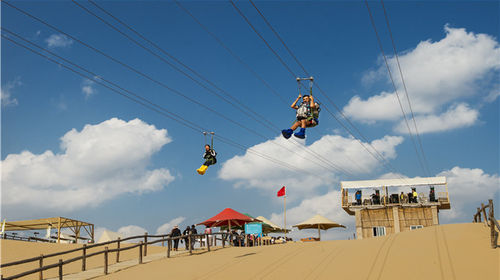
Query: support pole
pixel 105 260
pixel 169 246
pixel 60 269
pixel 284 200
pixel 494 233
pixel 59 230
pixel 145 244
pixel 84 257
pixel 41 265
pixel 140 252
pixel 118 251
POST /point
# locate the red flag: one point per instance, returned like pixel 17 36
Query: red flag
pixel 282 191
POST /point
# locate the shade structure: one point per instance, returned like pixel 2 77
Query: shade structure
pixel 227 217
pixel 269 226
pixel 48 223
pixel 319 222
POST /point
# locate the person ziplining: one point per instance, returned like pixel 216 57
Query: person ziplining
pixel 307 113
pixel 209 155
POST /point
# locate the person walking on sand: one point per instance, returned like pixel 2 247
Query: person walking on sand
pixel 185 233
pixel 193 239
pixel 175 233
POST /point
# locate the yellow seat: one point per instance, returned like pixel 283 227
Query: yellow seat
pixel 202 169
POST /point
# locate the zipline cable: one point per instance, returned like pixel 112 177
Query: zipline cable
pixel 167 87
pixel 394 85
pixel 324 160
pixel 179 62
pixel 380 157
pixel 240 60
pixel 150 105
pixel 426 163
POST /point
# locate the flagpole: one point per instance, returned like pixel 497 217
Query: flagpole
pixel 284 199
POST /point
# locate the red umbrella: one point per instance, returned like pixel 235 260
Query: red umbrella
pixel 227 218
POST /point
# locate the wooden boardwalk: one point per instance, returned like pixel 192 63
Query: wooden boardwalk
pixel 99 271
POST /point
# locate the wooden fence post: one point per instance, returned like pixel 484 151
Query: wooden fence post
pixel 494 233
pixel 41 265
pixel 84 257
pixel 105 260
pixel 484 214
pixel 223 240
pixel 169 247
pixel 118 251
pixel 189 243
pixel 478 214
pixel 145 244
pixel 60 269
pixel 208 242
pixel 140 252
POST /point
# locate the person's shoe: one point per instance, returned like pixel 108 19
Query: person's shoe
pixel 301 134
pixel 202 169
pixel 287 133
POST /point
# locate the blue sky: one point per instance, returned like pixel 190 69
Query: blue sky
pixel 73 148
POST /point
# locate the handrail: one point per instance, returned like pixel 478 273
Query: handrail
pixel 165 237
pixel 77 249
pixel 142 245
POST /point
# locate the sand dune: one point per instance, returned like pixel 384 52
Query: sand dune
pixel 458 251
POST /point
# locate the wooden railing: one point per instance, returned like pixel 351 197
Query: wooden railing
pixel 142 245
pixel 489 220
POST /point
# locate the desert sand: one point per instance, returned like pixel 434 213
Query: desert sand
pixel 455 251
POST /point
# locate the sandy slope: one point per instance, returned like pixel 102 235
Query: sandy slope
pixel 459 251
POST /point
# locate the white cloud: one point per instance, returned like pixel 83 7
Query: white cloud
pixel 459 115
pixel 88 88
pixel 6 93
pixel 131 230
pixel 252 171
pixel 96 164
pixel 437 75
pixel 168 226
pixel 58 40
pixel 468 188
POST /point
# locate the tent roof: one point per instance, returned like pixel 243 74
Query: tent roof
pixel 43 224
pixel 318 221
pixel 108 235
pixel 393 182
pixel 274 227
pixel 225 216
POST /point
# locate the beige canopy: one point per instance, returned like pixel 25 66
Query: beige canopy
pixel 271 227
pixel 318 222
pixel 47 223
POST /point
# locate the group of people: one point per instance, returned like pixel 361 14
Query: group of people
pixel 177 232
pixel 411 197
